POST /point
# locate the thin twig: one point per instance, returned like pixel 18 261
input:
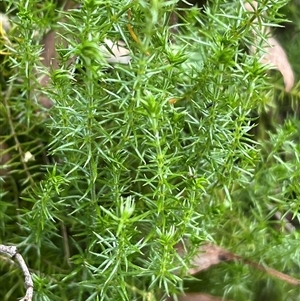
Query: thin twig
pixel 12 252
pixel 210 254
pixel 273 272
pixel 66 243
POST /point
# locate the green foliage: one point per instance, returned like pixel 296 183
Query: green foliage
pixel 120 174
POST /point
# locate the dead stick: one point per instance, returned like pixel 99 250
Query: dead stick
pixel 12 252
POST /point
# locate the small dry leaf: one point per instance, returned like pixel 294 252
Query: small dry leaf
pixel 4 22
pixel 207 256
pixel 173 100
pixel 28 157
pixel 276 56
pixel 119 53
pixel 274 53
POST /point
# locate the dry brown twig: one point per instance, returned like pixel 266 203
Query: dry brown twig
pixel 12 252
pixel 208 255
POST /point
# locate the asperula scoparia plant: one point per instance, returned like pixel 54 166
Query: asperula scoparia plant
pixel 133 159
